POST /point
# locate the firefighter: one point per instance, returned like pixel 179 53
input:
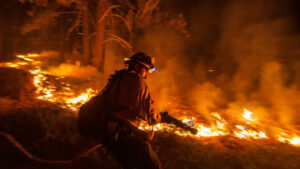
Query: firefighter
pixel 127 101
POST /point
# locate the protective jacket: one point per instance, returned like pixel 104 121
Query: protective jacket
pixel 126 95
pixel 126 100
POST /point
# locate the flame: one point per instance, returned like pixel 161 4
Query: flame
pixel 220 128
pixel 33 55
pixel 295 141
pixel 248 115
pixel 25 58
pixel 81 99
pixel 47 90
pixel 244 133
pixel 291 139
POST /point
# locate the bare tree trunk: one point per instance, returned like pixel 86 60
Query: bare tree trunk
pixel 1 35
pixel 61 39
pixel 86 39
pixel 98 57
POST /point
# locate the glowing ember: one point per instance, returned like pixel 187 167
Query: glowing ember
pixel 56 89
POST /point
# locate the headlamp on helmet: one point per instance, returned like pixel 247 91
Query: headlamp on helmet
pixel 142 59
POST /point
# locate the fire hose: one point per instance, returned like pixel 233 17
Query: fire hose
pixel 29 155
pixel 166 118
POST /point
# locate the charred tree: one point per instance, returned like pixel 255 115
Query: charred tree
pixel 98 55
pixel 1 34
pixel 62 39
pixel 86 34
pixel 11 17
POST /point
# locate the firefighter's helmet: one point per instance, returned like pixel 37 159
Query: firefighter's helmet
pixel 141 58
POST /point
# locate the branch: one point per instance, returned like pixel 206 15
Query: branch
pixel 149 6
pixel 125 22
pixel 120 40
pixel 68 12
pixel 74 26
pixel 106 12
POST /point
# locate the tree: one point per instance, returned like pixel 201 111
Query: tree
pixel 100 30
pixel 1 32
pixel 11 19
pixel 133 18
pixel 102 21
pixel 62 21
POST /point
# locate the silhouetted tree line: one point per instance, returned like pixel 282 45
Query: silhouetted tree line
pixel 79 26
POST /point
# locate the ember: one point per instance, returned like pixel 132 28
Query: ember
pixel 47 90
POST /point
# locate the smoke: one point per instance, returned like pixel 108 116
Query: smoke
pixel 114 60
pixel 260 41
pixel 241 54
pixel 283 100
pixel 172 73
pixel 74 70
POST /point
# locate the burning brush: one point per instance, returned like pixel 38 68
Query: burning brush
pixel 57 89
pixel 166 118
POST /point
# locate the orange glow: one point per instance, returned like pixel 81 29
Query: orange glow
pixel 24 58
pixel 248 116
pixel 247 133
pixel 75 103
pixel 295 141
pixel 47 91
pixel 245 128
pixel 291 139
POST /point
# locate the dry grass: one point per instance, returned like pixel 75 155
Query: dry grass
pixel 225 153
pixel 49 132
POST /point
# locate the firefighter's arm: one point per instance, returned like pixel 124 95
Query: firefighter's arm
pixel 152 116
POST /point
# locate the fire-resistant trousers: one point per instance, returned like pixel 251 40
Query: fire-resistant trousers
pixel 132 151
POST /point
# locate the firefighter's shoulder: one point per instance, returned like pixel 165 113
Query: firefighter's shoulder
pixel 135 77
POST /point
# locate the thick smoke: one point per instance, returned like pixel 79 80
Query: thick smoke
pixel 260 41
pixel 172 73
pixel 241 54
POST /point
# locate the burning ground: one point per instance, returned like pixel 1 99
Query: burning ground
pixel 42 117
